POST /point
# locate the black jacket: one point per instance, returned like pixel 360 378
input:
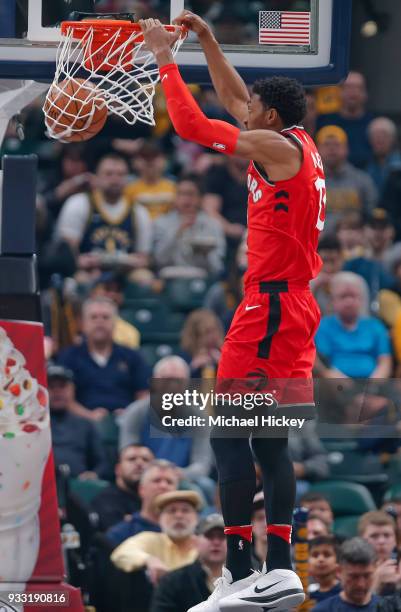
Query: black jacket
pixel 113 504
pixel 181 589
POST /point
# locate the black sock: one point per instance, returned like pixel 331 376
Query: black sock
pixel 238 557
pixel 237 480
pixel 279 490
pixel 278 553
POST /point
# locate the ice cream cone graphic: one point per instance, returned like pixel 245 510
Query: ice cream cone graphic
pixel 24 449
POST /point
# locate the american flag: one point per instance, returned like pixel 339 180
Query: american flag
pixel 284 28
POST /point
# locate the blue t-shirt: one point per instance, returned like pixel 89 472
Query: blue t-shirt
pixel 336 604
pixel 360 151
pixel 175 448
pixel 354 352
pixel 127 529
pixel 111 386
pixel 318 595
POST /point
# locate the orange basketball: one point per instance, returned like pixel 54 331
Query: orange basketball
pixel 74 110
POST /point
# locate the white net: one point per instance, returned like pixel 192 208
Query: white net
pixel 119 74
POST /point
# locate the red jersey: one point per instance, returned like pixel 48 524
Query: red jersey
pixel 285 218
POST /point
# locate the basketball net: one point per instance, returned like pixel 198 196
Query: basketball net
pixel 117 62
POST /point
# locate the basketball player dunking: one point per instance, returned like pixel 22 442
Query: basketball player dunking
pixel 273 329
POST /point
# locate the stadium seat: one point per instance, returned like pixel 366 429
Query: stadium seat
pixel 394 492
pixel 346 498
pixel 109 432
pixel 358 467
pixel 346 526
pixel 135 291
pixel 153 352
pixel 355 466
pixel 86 490
pixel 184 295
pixel 333 445
pixel 393 470
pixel 153 320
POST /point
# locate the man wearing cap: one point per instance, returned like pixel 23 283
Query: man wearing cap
pixel 176 546
pixel 348 188
pixel 76 442
pixel 186 587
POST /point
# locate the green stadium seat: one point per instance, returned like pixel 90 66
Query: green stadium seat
pixel 393 470
pixel 394 492
pixel 346 498
pixel 184 295
pixel 108 431
pixel 340 445
pixel 86 490
pixel 154 321
pixel 134 291
pixel 153 352
pixel 364 468
pixel 346 526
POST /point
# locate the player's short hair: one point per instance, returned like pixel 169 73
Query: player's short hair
pixel 325 540
pixel 286 95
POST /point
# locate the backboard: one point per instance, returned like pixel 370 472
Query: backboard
pixel 307 39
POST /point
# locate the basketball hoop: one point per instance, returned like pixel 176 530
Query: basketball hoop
pixel 110 55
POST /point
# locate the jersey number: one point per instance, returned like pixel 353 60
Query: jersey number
pixel 320 185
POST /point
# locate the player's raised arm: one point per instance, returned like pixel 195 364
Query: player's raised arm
pixel 230 88
pixel 264 146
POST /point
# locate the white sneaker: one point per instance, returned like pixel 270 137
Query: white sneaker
pixel 224 586
pixel 277 590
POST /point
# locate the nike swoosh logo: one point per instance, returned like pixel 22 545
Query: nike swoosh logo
pixel 165 77
pixel 257 590
pixel 252 307
pixel 279 596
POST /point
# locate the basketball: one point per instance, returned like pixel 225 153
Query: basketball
pixel 74 110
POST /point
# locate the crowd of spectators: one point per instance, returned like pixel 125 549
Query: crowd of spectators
pixel 141 243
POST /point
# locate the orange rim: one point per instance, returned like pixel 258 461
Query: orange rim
pixel 104 28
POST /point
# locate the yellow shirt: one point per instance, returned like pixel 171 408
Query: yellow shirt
pixel 328 99
pixel 157 198
pixel 389 306
pixel 397 338
pixel 126 334
pixel 133 553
